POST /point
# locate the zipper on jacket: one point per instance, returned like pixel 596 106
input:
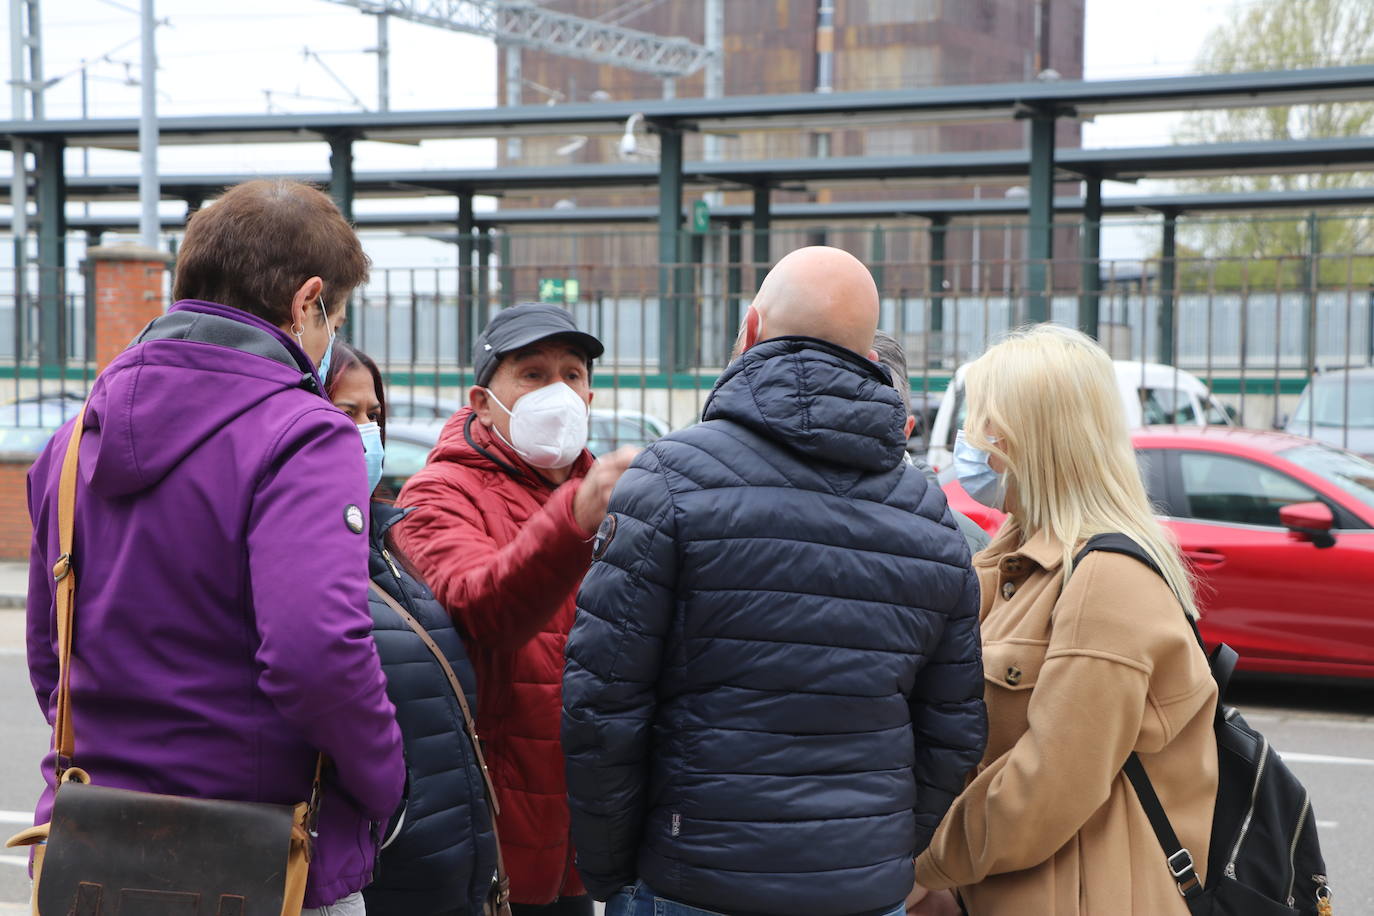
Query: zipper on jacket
pixel 386 555
pixel 1249 814
pixel 1293 847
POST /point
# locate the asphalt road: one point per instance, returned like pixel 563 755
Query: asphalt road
pixel 1326 733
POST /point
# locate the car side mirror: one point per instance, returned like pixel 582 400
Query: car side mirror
pixel 1311 522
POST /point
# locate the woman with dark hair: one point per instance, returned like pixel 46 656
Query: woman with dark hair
pixel 224 641
pixel 439 855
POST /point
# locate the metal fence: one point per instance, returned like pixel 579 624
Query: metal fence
pixel 1255 330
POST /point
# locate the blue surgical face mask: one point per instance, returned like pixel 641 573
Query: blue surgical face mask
pixel 976 475
pixel 329 349
pixel 373 453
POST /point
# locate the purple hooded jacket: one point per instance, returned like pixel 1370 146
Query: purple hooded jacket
pixel 222 626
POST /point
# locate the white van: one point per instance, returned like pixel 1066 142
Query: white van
pixel 1153 394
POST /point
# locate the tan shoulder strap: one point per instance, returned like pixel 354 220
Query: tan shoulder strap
pixel 64 575
pixel 503 882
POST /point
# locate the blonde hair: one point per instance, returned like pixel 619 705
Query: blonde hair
pixel 1048 394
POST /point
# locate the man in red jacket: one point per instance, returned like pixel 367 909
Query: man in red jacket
pixel 504 516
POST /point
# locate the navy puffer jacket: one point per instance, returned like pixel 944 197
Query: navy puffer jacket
pixel 440 856
pixel 773 689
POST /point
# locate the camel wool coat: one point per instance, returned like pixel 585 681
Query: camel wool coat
pixel 1077 676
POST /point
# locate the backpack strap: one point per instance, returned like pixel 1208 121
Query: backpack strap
pixel 1116 542
pixel 1180 860
pixel 1176 856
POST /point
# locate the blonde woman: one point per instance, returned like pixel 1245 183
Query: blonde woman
pixel 1082 665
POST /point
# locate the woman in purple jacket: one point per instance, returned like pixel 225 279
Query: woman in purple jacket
pixel 222 635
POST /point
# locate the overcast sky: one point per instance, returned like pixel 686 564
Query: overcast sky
pixel 242 57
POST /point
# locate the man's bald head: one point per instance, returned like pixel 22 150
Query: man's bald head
pixel 819 292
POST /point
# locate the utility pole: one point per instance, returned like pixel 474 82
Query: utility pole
pixel 714 80
pixel 85 113
pixel 26 47
pixel 1042 36
pixel 383 62
pixel 148 191
pixel 514 77
pixel 19 177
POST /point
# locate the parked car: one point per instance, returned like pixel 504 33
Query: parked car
pixel 410 438
pixel 26 424
pixel 613 428
pixel 408 406
pixel 407 449
pixel 1280 533
pixel 1151 393
pixel 1338 408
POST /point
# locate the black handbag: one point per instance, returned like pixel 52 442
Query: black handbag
pixel 113 851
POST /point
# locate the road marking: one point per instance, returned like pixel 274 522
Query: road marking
pixel 22 861
pixel 1327 825
pixel 16 817
pixel 1326 758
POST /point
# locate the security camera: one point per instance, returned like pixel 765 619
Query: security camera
pixel 629 143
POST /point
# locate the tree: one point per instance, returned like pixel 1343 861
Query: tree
pixel 1282 35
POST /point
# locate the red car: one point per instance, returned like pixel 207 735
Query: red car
pixel 1280 532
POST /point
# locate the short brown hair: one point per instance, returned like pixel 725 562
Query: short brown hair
pixel 893 359
pixel 253 248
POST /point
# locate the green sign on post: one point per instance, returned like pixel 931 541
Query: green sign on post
pixel 701 217
pixel 559 290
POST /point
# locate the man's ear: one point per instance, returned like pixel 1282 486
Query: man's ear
pixel 910 425
pixel 753 327
pixel 480 402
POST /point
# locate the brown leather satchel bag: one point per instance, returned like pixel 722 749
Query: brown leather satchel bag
pixel 498 901
pixel 115 852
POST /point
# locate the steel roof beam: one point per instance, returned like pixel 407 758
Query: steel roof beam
pixel 1087 98
pixel 540 29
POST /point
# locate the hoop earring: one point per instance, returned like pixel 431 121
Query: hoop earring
pixel 299 334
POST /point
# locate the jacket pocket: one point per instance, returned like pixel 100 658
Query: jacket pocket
pixel 1010 671
pixel 1013 664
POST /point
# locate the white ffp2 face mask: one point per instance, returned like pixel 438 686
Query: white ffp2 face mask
pixel 548 426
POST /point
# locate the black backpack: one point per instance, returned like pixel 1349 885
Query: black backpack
pixel 1265 859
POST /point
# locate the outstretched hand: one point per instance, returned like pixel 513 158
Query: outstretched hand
pixel 594 495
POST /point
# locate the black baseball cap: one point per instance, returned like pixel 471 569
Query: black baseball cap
pixel 521 326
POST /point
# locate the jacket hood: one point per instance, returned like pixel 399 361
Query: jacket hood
pixel 818 399
pixel 466 441
pixel 185 377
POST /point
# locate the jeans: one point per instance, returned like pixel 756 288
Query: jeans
pixel 352 905
pixel 639 900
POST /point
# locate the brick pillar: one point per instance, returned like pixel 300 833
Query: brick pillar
pixel 15 532
pixel 128 295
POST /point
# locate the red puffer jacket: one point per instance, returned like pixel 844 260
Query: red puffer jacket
pixel 499 547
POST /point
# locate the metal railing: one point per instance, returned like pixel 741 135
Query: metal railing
pixel 1254 330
